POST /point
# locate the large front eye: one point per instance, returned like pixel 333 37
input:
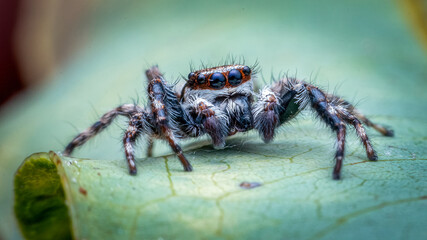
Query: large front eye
pixel 234 77
pixel 201 79
pixel 246 70
pixel 217 80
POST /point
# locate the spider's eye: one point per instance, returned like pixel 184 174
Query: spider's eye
pixel 234 77
pixel 246 70
pixel 190 75
pixel 201 79
pixel 217 80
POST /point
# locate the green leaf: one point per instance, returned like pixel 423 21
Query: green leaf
pixel 292 192
pixel 249 190
pixel 39 200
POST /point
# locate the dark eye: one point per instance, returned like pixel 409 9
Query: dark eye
pixel 217 80
pixel 234 77
pixel 190 75
pixel 246 70
pixel 201 79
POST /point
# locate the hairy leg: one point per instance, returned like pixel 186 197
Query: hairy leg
pixel 150 146
pixel 383 130
pixel 285 98
pixel 131 134
pixel 97 127
pixel 165 111
pixel 328 114
pixel 360 131
pixel 349 114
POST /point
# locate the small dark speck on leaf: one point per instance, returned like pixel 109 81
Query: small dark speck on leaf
pixel 99 174
pixel 83 191
pixel 250 185
pixel 423 197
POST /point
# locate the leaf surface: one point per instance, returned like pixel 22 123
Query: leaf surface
pixel 249 190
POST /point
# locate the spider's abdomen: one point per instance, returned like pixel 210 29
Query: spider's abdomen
pixel 228 76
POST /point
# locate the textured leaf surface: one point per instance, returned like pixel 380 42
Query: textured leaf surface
pixel 367 48
pixel 294 193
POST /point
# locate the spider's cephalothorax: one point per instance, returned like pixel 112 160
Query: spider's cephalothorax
pixel 219 101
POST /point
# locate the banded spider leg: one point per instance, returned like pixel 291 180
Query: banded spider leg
pixel 287 97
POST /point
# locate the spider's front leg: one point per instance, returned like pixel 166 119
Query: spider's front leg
pixel 167 111
pixel 285 98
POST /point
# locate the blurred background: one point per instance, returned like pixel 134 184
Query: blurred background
pixel 38 37
pixel 63 63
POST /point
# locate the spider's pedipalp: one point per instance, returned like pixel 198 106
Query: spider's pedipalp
pixel 278 104
pixel 266 114
pixel 209 119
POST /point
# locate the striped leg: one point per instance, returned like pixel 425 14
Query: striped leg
pixel 285 98
pixel 335 112
pixel 328 113
pixel 132 132
pixel 349 114
pixel 383 130
pixel 162 109
pixel 105 121
pixel 176 148
pixel 360 130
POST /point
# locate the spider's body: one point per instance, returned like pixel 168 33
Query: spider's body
pixel 220 102
pixel 226 93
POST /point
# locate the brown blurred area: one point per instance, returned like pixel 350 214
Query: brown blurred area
pixel 9 75
pixel 37 37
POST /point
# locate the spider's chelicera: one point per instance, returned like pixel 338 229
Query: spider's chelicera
pixel 220 102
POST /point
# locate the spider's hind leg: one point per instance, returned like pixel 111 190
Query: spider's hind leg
pixel 287 97
pixel 328 113
pixel 337 112
pixel 138 124
pixel 97 127
pixel 381 129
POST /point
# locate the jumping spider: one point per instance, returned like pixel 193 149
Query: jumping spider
pixel 219 101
